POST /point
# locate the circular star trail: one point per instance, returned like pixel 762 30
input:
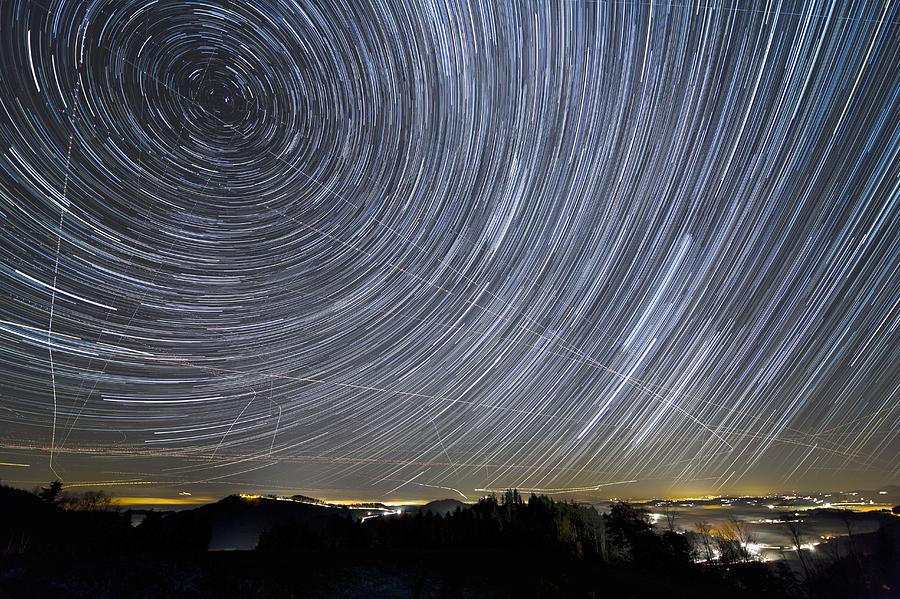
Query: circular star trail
pixel 399 249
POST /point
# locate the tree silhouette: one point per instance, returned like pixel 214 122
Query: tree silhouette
pixel 51 493
pixel 670 516
pixel 705 532
pixel 796 533
pixel 733 539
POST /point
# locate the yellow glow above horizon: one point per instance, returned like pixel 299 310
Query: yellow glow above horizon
pixel 136 501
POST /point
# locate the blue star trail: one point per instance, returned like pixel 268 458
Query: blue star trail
pixel 398 249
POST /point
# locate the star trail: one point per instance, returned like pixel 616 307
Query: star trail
pixel 416 249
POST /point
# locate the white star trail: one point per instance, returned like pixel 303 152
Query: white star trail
pixel 464 246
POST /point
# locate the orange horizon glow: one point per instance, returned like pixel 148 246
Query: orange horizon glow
pixel 133 501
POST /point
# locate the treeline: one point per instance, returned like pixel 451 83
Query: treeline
pixel 51 521
pixel 573 549
pixel 625 534
pixel 623 540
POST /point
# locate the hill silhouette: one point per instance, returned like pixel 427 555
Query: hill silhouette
pixel 59 545
pixel 441 507
pixel 236 522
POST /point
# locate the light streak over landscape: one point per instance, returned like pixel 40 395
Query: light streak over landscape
pixel 573 247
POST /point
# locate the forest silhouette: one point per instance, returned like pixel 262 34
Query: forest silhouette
pixel 56 543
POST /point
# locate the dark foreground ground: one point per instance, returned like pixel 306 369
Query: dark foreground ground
pixel 419 573
pixel 54 545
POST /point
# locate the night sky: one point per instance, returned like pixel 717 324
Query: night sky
pixel 405 250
